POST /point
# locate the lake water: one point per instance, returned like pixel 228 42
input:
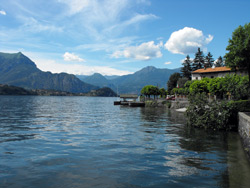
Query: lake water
pixel 89 142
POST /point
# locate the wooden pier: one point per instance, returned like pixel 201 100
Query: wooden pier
pixel 129 100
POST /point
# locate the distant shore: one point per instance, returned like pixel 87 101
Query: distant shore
pixel 14 90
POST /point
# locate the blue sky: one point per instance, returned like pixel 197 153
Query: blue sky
pixel 117 37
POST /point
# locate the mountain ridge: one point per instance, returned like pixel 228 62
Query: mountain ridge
pixel 133 83
pixel 18 70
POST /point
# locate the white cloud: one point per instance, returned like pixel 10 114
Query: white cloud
pixel 132 21
pixel 75 6
pixel 168 63
pixel 2 12
pixel 106 18
pixel 72 57
pixel 33 25
pixel 187 40
pixel 145 51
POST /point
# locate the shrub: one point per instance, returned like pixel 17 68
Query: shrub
pixel 214 115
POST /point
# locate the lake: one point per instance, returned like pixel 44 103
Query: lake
pixel 88 142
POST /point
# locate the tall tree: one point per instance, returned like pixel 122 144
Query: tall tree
pixel 187 68
pixel 209 60
pixel 219 62
pixel 172 82
pixel 238 55
pixel 198 62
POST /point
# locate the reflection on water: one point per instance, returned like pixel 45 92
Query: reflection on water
pixel 89 142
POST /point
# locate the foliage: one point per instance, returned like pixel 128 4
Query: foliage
pixel 187 68
pixel 215 87
pixel 209 60
pixel 236 86
pixel 163 92
pixel 239 49
pixel 199 86
pixel 182 81
pixel 219 62
pixel 214 115
pixel 198 62
pixel 172 82
pixel 150 90
pixel 180 91
pixel 233 86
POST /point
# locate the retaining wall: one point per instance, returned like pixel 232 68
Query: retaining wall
pixel 244 130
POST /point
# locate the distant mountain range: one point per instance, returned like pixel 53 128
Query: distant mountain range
pixel 18 70
pixel 132 83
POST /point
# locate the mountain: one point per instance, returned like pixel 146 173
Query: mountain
pixel 98 80
pixel 147 76
pixel 18 70
pixel 133 83
pixel 111 77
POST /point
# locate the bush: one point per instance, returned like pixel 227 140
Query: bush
pixel 234 85
pixel 214 115
pixel 236 107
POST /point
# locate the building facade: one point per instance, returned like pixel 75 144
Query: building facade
pixel 215 72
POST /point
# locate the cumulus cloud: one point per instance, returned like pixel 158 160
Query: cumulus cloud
pixel 2 12
pixel 145 51
pixel 187 40
pixel 72 57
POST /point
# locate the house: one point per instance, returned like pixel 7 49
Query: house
pixel 215 72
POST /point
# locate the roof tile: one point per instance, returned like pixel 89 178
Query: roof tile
pixel 216 69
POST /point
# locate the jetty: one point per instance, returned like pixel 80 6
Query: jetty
pixel 129 100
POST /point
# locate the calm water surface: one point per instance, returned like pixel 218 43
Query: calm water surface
pixel 89 142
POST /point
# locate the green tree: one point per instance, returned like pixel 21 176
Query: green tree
pixel 238 55
pixel 181 82
pixel 150 90
pixel 200 86
pixel 219 62
pixel 198 62
pixel 187 68
pixel 209 60
pixel 163 92
pixel 172 82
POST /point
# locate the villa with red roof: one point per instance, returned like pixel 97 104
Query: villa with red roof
pixel 215 72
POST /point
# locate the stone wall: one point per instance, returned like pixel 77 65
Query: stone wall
pixel 179 104
pixel 244 130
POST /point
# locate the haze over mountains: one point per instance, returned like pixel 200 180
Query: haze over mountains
pixel 18 70
pixel 133 83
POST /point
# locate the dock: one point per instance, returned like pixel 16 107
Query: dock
pixel 129 100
